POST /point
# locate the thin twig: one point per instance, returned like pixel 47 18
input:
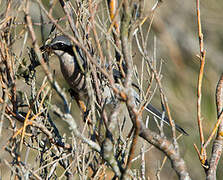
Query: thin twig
pixel 199 84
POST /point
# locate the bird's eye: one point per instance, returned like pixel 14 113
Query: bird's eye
pixel 62 45
pixel 59 45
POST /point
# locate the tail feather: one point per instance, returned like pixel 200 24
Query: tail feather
pixel 158 114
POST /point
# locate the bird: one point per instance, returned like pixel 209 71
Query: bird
pixel 72 69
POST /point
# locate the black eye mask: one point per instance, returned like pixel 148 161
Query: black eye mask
pixel 62 47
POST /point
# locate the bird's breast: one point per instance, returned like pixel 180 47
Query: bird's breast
pixel 72 73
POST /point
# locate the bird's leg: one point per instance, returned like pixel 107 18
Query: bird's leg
pixel 82 106
pixel 80 103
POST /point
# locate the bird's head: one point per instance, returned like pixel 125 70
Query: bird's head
pixel 59 45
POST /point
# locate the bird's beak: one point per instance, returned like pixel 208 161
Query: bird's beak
pixel 46 48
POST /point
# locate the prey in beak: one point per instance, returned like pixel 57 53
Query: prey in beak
pixel 46 49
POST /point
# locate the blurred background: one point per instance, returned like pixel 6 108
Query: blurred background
pixel 175 26
pixel 175 29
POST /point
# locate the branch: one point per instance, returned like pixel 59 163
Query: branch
pixel 218 143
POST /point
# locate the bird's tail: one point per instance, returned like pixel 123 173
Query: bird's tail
pixel 158 115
